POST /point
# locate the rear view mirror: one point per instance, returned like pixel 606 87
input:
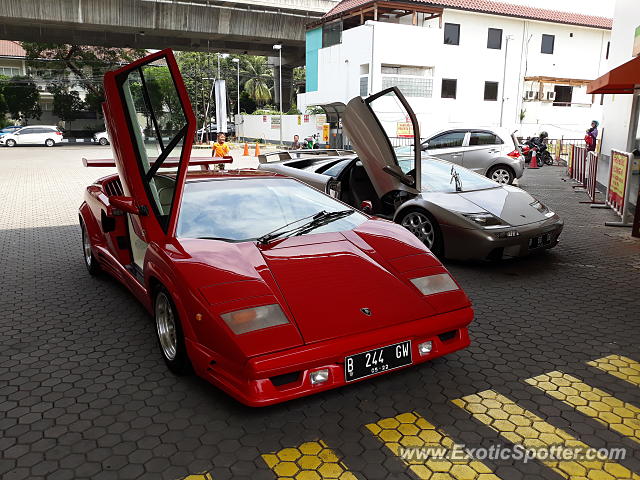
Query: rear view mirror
pixel 126 205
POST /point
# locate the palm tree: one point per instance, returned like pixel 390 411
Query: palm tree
pixel 259 75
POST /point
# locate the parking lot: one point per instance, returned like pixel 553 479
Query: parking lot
pixel 84 393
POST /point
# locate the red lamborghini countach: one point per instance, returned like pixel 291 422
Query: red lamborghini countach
pixel 266 287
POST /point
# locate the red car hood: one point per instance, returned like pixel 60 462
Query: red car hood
pixel 323 281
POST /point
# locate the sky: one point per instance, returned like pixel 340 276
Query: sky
pixel 602 8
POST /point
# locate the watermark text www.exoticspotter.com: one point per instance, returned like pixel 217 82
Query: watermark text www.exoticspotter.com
pixel 560 453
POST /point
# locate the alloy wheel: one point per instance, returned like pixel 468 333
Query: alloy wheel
pixel 501 175
pixel 86 246
pixel 166 326
pixel 421 226
pixel 103 141
pixel 11 143
pixel 49 143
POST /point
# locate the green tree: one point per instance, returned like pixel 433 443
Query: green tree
pixel 258 78
pixel 66 103
pixel 4 108
pixel 21 98
pixel 54 62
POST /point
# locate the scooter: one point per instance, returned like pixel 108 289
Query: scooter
pixel 542 152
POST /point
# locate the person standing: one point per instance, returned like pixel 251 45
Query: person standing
pixel 591 138
pixel 220 148
pixel 296 145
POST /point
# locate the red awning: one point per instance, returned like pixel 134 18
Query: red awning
pixel 622 79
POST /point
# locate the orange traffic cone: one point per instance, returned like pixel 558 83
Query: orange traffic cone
pixel 246 150
pixel 534 160
pixel 257 152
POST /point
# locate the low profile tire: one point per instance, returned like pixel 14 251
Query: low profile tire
pixel 422 224
pixel 501 174
pixel 10 143
pixel 49 142
pixel 169 333
pixel 89 260
pixel 103 141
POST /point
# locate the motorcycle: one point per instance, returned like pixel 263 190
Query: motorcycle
pixel 543 155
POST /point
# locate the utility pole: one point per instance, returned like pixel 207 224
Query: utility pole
pixel 237 62
pixel 504 76
pixel 278 47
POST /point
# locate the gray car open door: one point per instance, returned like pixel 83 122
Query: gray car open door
pixel 370 124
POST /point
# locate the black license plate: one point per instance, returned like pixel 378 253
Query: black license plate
pixel 540 241
pixel 378 360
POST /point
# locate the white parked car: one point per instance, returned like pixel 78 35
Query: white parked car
pixel 102 138
pixel 48 135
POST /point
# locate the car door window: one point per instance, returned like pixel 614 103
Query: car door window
pixel 158 126
pixel 484 138
pixel 446 140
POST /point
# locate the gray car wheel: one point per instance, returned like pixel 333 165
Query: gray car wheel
pixel 501 174
pixel 423 226
pixel 169 331
pixel 49 142
pixel 89 260
pixel 103 141
pixel 11 142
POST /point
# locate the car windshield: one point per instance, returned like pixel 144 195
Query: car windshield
pixel 436 176
pixel 240 210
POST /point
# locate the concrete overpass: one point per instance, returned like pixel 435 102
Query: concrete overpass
pixel 238 26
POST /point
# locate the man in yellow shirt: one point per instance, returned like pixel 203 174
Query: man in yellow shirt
pixel 220 148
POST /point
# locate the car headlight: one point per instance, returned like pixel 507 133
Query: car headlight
pixel 484 219
pixel 538 205
pixel 435 284
pixel 256 318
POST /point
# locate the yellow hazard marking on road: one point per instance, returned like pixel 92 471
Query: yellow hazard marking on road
pixel 619 416
pixel 309 461
pixel 410 437
pixel 199 476
pixel 620 367
pixel 524 428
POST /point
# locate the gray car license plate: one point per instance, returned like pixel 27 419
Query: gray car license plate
pixel 378 360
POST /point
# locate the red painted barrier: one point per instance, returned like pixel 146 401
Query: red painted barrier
pixel 578 170
pixel 592 161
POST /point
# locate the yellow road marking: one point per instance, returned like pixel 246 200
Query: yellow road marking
pixel 620 416
pixel 621 367
pixel 410 430
pixel 523 427
pixel 309 461
pixel 199 476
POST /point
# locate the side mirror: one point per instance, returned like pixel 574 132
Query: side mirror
pixel 127 205
pixel 367 207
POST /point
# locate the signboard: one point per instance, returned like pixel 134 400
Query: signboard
pixel 264 119
pixel 325 133
pixel 636 43
pixel 306 119
pixel 404 129
pixel 299 119
pixel 321 119
pixel 619 173
pixel 275 122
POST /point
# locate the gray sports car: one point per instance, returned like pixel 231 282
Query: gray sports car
pixel 455 212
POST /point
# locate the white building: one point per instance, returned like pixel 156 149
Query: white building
pixel 480 62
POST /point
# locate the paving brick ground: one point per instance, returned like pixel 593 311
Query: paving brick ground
pixel 84 392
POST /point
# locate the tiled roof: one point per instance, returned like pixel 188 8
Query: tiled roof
pixel 11 49
pixel 491 7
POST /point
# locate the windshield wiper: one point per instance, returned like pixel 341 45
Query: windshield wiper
pixel 317 220
pixel 455 176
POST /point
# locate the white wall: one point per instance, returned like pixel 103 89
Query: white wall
pixel 250 127
pixel 580 56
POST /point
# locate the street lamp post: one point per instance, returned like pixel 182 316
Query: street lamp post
pixel 278 47
pixel 237 62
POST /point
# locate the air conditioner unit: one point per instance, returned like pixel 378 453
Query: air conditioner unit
pixel 551 95
pixel 531 95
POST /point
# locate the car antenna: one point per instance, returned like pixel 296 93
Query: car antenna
pixel 456 176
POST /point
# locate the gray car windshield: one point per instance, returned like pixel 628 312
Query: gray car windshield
pixel 436 176
pixel 240 210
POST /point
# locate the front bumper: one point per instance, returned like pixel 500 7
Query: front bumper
pixel 480 244
pixel 285 375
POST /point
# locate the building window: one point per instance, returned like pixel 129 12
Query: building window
pixel 364 86
pixel 491 91
pixel 9 71
pixel 564 96
pixel 494 38
pixel 452 34
pixel 331 33
pixel 449 88
pixel 412 81
pixel 548 43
